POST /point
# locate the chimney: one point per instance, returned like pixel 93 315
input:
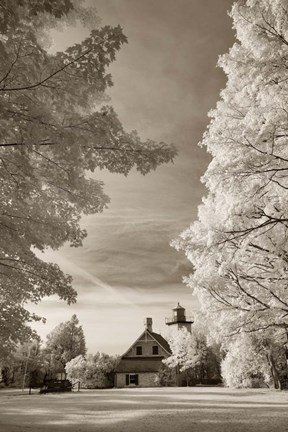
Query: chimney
pixel 148 324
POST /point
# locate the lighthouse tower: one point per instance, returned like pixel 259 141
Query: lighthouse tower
pixel 179 319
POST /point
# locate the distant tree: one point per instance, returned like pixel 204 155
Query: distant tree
pixel 245 364
pixel 208 367
pixel 165 376
pixel 184 351
pixel 25 367
pixel 97 371
pixel 192 354
pixel 100 370
pixel 5 375
pixel 239 245
pixel 212 364
pixel 253 360
pixel 64 343
pixel 76 371
pixel 55 126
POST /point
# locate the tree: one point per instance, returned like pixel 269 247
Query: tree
pixel 245 364
pixel 184 351
pixel 97 371
pixel 208 367
pixel 75 370
pixel 165 376
pixel 238 246
pixel 192 354
pixel 100 370
pixel 55 127
pixel 25 367
pixel 64 343
pixel 254 361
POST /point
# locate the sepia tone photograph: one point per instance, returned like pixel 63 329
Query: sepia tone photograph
pixel 144 215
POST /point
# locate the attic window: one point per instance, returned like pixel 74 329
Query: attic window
pixel 155 350
pixel 138 350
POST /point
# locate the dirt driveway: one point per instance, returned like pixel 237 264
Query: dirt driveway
pixel 194 409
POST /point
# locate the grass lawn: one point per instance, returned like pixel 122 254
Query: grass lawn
pixel 192 409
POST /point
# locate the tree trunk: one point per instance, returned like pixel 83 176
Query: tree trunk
pixel 274 372
pixel 286 354
pixel 25 369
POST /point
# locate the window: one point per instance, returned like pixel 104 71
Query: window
pixel 155 350
pixel 132 379
pixel 138 350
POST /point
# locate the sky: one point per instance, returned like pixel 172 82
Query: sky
pixel 165 82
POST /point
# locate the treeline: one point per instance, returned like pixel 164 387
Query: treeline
pixel 193 361
pixel 33 364
pixel 246 361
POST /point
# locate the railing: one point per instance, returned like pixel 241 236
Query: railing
pixel 175 319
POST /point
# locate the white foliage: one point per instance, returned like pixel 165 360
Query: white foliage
pixel 75 369
pixel 239 245
pixel 184 350
pixel 245 364
pixel 93 371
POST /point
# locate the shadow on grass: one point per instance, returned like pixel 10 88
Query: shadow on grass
pixel 209 418
pixel 149 410
pixel 146 410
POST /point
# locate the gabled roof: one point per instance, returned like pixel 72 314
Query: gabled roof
pixel 157 337
pixel 163 342
pixel 142 334
pixel 179 307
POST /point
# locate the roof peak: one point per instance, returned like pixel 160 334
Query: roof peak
pixel 178 307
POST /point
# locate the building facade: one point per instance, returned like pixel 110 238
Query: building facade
pixel 140 364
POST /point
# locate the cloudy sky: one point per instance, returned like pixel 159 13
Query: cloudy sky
pixel 165 82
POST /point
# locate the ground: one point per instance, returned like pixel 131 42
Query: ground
pixel 191 409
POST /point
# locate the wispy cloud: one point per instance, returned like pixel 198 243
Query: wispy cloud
pixel 165 83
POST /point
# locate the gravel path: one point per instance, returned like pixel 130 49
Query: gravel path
pixel 194 409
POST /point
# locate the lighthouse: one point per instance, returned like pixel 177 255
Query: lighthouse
pixel 179 319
